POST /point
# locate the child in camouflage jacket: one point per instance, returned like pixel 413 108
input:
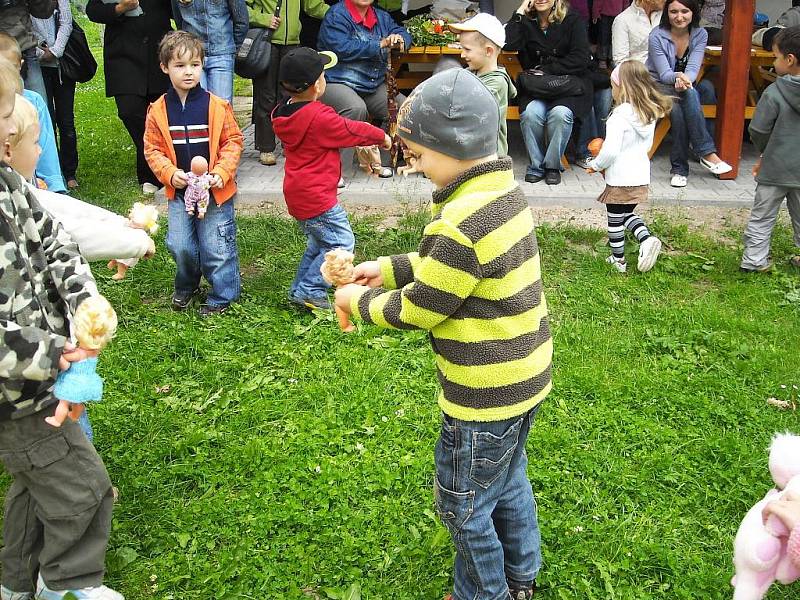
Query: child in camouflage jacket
pixel 58 508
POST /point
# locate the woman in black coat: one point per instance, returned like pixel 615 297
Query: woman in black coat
pixel 553 40
pixel 131 65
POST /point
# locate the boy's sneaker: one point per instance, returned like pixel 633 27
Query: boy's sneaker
pixel 182 301
pixel 618 263
pixel 321 303
pixel 583 162
pixel 765 268
pixel 7 594
pixel 648 253
pixel 206 310
pixel 101 592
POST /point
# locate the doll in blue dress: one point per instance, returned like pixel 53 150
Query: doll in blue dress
pixel 95 323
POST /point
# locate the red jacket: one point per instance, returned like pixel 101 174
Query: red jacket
pixel 312 134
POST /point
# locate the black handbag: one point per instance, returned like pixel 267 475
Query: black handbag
pixel 77 62
pixel 253 56
pixel 542 86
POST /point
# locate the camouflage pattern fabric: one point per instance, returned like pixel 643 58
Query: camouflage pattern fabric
pixel 43 279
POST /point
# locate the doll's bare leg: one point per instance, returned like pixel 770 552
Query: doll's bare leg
pixel 121 268
pixel 344 320
pixel 202 207
pixel 62 411
pixel 76 411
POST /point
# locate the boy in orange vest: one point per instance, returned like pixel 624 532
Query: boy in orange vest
pixel 184 123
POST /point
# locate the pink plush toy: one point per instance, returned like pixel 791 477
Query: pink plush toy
pixel 196 195
pixel 759 550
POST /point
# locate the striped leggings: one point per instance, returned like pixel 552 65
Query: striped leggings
pixel 620 218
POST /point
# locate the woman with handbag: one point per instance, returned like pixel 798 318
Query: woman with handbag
pixel 283 17
pixel 53 34
pixel 130 62
pixel 554 90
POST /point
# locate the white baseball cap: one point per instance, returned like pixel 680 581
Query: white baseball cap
pixel 487 25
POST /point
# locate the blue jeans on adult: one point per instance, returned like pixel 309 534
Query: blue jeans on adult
pixel 217 76
pixel 546 133
pixel 485 500
pixel 205 247
pixel 688 126
pixel 595 124
pixel 324 232
pixel 33 73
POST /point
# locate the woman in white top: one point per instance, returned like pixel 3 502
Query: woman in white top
pixel 631 29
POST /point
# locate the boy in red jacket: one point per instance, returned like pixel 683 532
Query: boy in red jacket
pixel 312 134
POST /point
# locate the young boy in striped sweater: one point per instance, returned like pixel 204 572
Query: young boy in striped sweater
pixel 475 284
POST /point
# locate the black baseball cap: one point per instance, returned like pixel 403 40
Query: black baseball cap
pixel 302 66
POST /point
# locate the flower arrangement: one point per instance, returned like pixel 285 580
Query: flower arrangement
pixel 427 30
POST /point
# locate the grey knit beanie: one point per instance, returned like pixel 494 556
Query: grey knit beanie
pixel 452 113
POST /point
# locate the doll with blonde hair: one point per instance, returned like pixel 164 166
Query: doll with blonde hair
pixel 95 323
pixel 99 233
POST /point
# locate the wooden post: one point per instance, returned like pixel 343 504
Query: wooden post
pixel 735 82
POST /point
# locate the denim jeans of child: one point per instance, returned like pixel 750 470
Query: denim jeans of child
pixel 485 500
pixel 205 247
pixel 546 133
pixel 325 232
pixel 217 76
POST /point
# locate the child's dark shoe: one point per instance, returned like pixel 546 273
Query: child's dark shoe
pixel 321 303
pixel 208 310
pixel 526 594
pixel 182 301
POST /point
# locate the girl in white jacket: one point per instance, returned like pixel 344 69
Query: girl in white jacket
pixel 624 158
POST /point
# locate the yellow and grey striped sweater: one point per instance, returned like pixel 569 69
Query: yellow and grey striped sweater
pixel 476 285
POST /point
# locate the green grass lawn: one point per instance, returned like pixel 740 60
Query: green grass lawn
pixel 265 455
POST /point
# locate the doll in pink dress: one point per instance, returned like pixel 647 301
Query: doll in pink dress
pixel 195 198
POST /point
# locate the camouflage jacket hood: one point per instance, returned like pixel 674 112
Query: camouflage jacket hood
pixel 42 278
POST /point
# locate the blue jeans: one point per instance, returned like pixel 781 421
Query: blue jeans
pixel 205 247
pixel 595 124
pixel 541 126
pixel 325 232
pixel 484 498
pixel 688 127
pixel 33 73
pixel 217 76
pixel 86 427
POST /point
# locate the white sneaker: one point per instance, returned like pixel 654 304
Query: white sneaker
pixel 679 181
pixel 618 263
pixel 7 594
pixel 101 592
pixel 648 253
pixel 340 185
pixel 148 189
